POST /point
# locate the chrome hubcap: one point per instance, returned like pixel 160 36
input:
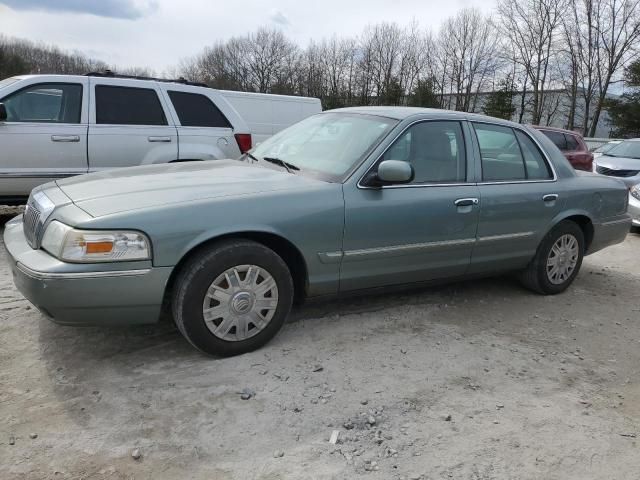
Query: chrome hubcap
pixel 240 302
pixel 562 259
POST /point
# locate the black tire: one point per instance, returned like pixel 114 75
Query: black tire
pixel 535 276
pixel 199 272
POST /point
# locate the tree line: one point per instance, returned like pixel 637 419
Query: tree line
pixel 509 64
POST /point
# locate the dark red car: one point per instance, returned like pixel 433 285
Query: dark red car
pixel 572 145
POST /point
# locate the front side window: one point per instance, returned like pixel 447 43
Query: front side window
pixel 327 145
pixel 128 106
pixel 45 103
pixel 435 151
pixel 195 110
pixel 509 155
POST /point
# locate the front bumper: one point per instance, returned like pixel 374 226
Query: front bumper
pixel 634 210
pixel 85 294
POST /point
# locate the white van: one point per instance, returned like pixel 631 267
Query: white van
pixel 55 126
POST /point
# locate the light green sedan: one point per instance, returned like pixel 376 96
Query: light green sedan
pixel 347 200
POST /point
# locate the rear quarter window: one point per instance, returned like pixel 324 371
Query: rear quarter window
pixel 195 110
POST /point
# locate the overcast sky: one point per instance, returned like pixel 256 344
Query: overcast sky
pixel 158 33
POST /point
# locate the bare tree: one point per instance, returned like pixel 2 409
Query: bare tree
pixel 532 28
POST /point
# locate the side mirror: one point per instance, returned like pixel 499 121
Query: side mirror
pixel 3 112
pixel 395 171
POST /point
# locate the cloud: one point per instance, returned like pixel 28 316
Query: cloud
pixel 280 18
pixel 127 9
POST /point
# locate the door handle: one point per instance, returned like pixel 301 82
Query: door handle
pixel 159 139
pixel 551 197
pixel 65 138
pixel 466 202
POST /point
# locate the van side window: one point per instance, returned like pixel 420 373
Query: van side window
pixel 45 103
pixel 435 149
pixel 195 110
pixel 128 106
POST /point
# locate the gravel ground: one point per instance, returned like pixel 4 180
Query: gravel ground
pixel 476 380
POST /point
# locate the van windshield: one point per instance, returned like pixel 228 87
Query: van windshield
pixel 328 145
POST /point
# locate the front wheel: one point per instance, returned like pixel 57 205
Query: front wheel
pixel 557 261
pixel 232 297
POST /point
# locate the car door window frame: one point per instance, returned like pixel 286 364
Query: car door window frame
pixel 478 154
pixel 467 153
pixel 53 84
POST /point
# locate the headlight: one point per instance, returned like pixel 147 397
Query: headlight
pixel 87 246
pixel 635 191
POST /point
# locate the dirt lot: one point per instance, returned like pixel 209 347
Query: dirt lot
pixel 480 380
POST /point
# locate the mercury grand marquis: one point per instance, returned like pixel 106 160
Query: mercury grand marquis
pixel 347 200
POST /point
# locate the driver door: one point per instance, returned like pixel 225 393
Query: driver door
pixel 44 136
pixel 399 234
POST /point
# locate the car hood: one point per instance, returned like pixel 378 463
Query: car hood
pixel 619 163
pixel 135 188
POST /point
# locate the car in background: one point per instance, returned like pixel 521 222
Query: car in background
pixel 622 162
pixel 56 126
pixel 345 201
pixel 604 148
pixel 572 146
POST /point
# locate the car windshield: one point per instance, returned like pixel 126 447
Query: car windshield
pixel 628 148
pixel 606 147
pixel 8 81
pixel 328 145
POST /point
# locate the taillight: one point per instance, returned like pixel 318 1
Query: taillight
pixel 244 141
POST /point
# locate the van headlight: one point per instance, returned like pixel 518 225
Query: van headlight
pixel 88 246
pixel 635 191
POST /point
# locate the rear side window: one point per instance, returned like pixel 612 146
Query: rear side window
pixel 536 166
pixel 45 103
pixel 557 138
pixel 500 152
pixel 128 106
pixel 572 142
pixel 195 110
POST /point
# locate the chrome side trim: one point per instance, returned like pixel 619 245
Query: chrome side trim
pixel 506 236
pixel 398 250
pixel 79 275
pixel 41 175
pixel 330 257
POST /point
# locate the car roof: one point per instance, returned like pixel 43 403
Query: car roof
pixel 402 113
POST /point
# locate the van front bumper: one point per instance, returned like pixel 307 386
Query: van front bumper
pixel 84 294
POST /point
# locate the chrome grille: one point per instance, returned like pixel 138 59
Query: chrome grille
pixel 616 173
pixel 31 223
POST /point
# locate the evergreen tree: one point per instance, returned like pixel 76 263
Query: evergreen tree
pixel 625 111
pixel 424 95
pixel 499 103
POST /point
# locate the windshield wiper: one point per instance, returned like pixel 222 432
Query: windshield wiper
pixel 278 161
pixel 252 157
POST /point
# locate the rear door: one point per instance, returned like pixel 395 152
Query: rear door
pixel 129 125
pixel 45 134
pixel 204 132
pixel 519 197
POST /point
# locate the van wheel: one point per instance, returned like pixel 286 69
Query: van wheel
pixel 557 261
pixel 232 297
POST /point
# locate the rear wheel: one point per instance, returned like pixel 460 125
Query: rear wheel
pixel 232 297
pixel 557 261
